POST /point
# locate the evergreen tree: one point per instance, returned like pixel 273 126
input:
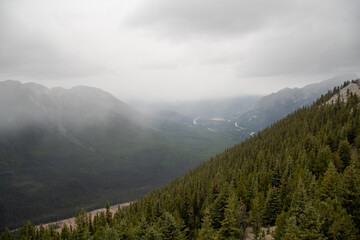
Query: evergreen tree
pixel 337 223
pixel 206 232
pixel 65 233
pixel 7 235
pixel 152 234
pixel 298 201
pixel 256 213
pixel 229 228
pixel 108 214
pixel 291 231
pixel 351 193
pixel 322 161
pixel 218 208
pixel 345 152
pixel 281 221
pixel 329 186
pixel 309 224
pixel 27 232
pixel 170 229
pixel 272 206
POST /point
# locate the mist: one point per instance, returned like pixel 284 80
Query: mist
pixel 180 50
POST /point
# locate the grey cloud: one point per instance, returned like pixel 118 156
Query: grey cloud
pixel 267 38
pixel 161 49
pixel 187 18
pixel 27 49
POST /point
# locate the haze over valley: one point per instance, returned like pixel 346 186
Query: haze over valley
pixel 215 119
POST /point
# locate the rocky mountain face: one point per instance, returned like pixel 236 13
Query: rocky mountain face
pixel 351 88
pixel 277 105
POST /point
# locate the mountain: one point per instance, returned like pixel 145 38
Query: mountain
pixel 62 149
pixel 302 175
pixel 275 106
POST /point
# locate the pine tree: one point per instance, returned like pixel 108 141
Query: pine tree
pixel 329 186
pixel 280 225
pixel 276 177
pixel 218 208
pixel 256 213
pixel 65 233
pixel 344 151
pixel 272 206
pixel 206 231
pixel 337 223
pixel 292 231
pixel 322 161
pixel 108 214
pixel 7 235
pixel 152 234
pixel 309 223
pixel 229 228
pixel 298 201
pixel 27 232
pixel 351 193
pixel 170 228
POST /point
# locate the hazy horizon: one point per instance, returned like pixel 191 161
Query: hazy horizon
pixel 178 50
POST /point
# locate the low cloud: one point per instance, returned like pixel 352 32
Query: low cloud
pixel 160 49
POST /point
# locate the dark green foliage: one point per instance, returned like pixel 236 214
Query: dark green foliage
pixel 351 193
pixel 309 223
pixel 170 228
pixel 206 231
pixel 298 202
pixel 281 221
pixel 108 214
pixel 345 152
pixel 272 206
pixel 322 161
pixel 288 172
pixel 229 227
pixel 329 187
pixel 7 235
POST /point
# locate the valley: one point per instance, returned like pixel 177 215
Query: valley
pixel 179 120
pixel 301 175
pixel 65 156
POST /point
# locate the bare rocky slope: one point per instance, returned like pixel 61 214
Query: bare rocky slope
pixel 352 88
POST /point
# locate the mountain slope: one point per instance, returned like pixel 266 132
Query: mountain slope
pixel 277 105
pixel 66 148
pixel 302 174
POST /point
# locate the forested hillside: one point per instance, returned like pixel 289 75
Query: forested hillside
pixel 302 174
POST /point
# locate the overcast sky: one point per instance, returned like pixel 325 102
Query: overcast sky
pixel 181 49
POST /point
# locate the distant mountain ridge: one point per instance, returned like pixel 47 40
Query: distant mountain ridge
pixel 277 105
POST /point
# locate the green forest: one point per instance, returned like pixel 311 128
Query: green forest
pixel 302 174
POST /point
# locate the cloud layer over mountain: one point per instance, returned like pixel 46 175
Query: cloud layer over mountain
pixel 162 49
